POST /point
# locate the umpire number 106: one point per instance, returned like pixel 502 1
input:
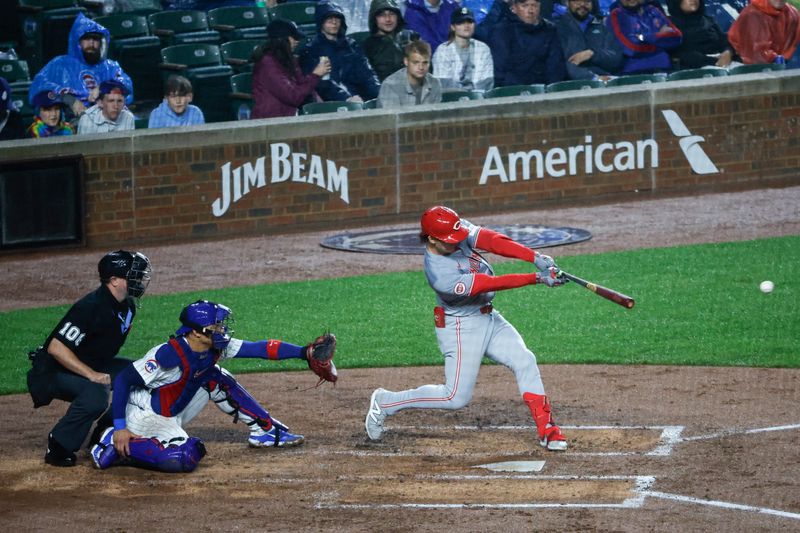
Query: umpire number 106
pixel 72 333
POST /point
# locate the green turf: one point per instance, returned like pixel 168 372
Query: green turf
pixel 695 305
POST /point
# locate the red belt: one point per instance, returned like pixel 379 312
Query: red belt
pixel 486 309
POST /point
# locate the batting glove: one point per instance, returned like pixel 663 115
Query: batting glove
pixel 550 277
pixel 543 262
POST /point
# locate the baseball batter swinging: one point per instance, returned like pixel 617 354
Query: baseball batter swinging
pixel 468 327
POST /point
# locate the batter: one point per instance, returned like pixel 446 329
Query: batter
pixel 467 326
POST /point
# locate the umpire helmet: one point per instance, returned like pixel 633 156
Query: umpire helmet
pixel 131 266
pixel 208 318
pixel 444 224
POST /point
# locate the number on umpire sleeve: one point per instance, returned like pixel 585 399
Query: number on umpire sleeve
pixel 71 333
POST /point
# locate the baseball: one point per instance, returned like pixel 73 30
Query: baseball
pixel 766 286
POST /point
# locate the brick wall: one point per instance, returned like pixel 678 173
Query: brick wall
pixel 152 185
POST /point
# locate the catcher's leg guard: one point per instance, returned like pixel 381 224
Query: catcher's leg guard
pixel 233 399
pixel 151 454
pixel 550 435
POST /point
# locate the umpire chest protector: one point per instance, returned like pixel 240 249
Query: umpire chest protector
pixel 95 327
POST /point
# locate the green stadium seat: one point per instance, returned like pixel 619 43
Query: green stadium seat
pixel 239 22
pixel 370 104
pixel 636 79
pixel 136 51
pixel 753 69
pixel 301 13
pixel 460 95
pixel 16 73
pixel 697 74
pixel 239 54
pixel 315 108
pixel 574 85
pixel 515 90
pixel 45 29
pixel 242 95
pixel 202 64
pixel 182 27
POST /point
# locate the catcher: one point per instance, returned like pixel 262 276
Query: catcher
pixel 156 396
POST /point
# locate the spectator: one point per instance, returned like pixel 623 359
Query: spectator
pixel 279 86
pixel 704 43
pixel 591 50
pixel 412 85
pixel 646 36
pixel 431 19
pixel 176 109
pixel 384 47
pixel 49 119
pixel 767 31
pixel 463 62
pixel 526 49
pixel 10 119
pixel 78 74
pixel 351 77
pixel 108 113
pixel 500 11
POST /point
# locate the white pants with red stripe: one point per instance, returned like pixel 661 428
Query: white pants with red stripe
pixel 464 341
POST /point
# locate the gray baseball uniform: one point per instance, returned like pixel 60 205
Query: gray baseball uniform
pixel 467 329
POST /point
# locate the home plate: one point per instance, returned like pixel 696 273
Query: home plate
pixel 514 466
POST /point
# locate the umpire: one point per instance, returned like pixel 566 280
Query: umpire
pixel 78 362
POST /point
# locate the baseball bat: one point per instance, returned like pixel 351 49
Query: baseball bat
pixel 608 294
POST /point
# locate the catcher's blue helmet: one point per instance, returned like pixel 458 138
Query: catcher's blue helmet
pixel 208 318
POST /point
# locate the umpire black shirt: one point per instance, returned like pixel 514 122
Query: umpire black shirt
pixel 95 327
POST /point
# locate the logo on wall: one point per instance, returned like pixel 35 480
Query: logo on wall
pixel 690 144
pixel 286 165
pixel 588 158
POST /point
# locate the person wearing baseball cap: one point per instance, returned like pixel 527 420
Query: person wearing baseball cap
pixel 49 120
pixel 463 62
pixel 109 112
pixel 279 85
pixel 10 119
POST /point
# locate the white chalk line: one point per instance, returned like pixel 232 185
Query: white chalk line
pixel 724 505
pixel 728 433
pixel 641 485
pixel 670 436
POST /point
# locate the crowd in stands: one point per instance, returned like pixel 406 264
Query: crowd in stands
pixel 415 51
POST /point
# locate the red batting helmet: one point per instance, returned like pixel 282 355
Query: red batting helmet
pixel 443 223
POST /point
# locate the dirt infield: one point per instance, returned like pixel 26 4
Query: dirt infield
pixel 652 448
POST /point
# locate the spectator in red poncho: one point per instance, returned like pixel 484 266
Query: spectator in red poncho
pixel 767 31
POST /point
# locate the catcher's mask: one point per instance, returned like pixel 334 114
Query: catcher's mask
pixel 131 266
pixel 210 319
pixel 444 224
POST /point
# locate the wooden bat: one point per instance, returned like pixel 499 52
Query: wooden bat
pixel 608 294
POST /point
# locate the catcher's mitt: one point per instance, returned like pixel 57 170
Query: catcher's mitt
pixel 320 358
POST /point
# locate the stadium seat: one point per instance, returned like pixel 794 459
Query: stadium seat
pixel 636 79
pixel 45 29
pixel 697 74
pixel 238 22
pixel 301 13
pixel 182 27
pixel 20 99
pixel 370 104
pixel 202 64
pixel 242 95
pixel 574 85
pixel 514 90
pixel 460 95
pixel 752 69
pixel 239 54
pixel 136 51
pixel 315 108
pixel 16 73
